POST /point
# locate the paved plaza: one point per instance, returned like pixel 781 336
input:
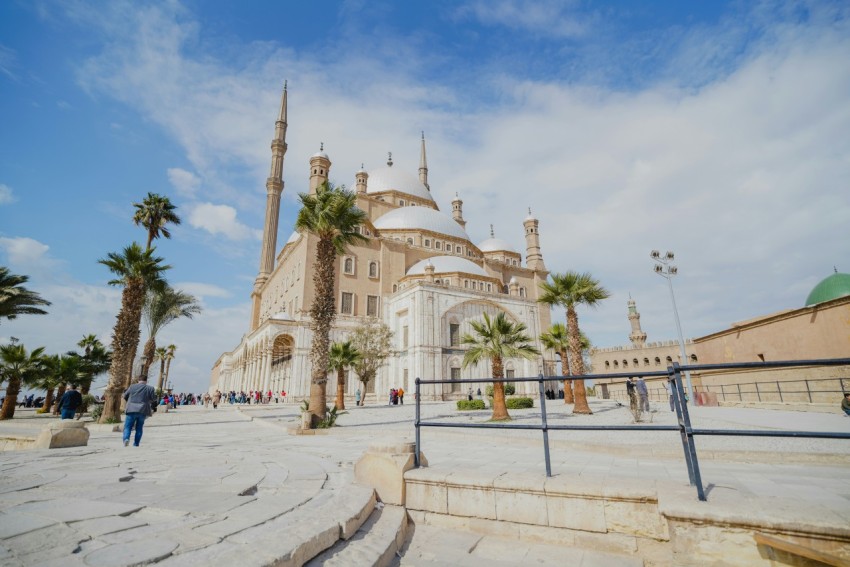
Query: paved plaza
pixel 217 486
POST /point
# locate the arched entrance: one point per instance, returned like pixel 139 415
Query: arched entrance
pixel 281 372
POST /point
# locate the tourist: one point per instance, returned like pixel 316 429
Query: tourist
pixel 401 396
pixel 478 394
pixel 469 394
pixel 643 394
pixel 216 399
pixel 283 395
pixel 69 403
pixel 845 404
pixel 630 390
pixel 139 397
pixel 357 397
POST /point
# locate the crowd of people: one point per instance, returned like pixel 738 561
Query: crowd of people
pixel 250 397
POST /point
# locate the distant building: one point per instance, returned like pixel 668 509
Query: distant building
pixel 820 329
pixel 419 272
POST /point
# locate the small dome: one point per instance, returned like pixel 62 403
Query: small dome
pixel 447 264
pixel 420 218
pixel 530 216
pixel 496 245
pixel 835 286
pixel 394 179
pixel 321 153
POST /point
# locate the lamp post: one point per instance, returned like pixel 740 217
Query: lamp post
pixel 664 267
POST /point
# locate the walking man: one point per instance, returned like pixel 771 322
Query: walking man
pixel 139 397
pixel 643 394
pixel 630 390
pixel 357 397
pixel 401 396
pixel 69 403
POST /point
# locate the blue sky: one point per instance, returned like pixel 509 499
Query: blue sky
pixel 716 129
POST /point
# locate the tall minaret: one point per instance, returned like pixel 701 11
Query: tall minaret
pixel 274 188
pixel 320 167
pixel 423 165
pixel 637 336
pixel 362 179
pixel 533 257
pixel 457 211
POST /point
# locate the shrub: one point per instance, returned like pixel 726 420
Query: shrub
pixel 466 405
pixel 519 403
pixel 510 390
pixel 330 418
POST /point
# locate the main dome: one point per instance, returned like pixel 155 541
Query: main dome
pixel 447 265
pixel 420 218
pixel 496 245
pixel 835 286
pixel 394 179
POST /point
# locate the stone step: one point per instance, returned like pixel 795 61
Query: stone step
pixel 430 546
pixel 291 539
pixel 375 543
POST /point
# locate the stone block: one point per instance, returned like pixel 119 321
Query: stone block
pixel 130 554
pixel 383 466
pixel 65 433
pixel 471 495
pixel 521 498
pixel 426 490
pixel 635 518
pixel 577 506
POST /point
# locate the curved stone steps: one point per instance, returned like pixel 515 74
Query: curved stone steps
pixel 291 539
pixel 375 543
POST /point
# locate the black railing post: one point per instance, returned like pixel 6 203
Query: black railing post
pixel 418 440
pixel 545 425
pixel 779 389
pixel 758 393
pixel 808 391
pixel 678 402
pixel 690 446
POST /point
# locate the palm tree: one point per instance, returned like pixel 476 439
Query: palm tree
pixel 16 365
pixel 46 377
pixel 163 306
pixel 95 360
pixel 88 342
pixel 137 270
pixel 17 300
pixel 570 290
pixel 172 349
pixel 557 339
pixel 343 355
pixel 161 354
pixel 497 339
pixel 331 215
pixel 154 213
pixel 69 371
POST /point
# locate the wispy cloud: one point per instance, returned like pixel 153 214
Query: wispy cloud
pixel 202 290
pixel 221 219
pixel 8 61
pixel 185 182
pixel 553 18
pixel 6 194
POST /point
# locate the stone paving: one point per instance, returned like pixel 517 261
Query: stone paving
pixel 207 485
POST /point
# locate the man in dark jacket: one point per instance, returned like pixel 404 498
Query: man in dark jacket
pixel 139 397
pixel 71 400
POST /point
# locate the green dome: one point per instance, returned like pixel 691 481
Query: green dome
pixel 835 286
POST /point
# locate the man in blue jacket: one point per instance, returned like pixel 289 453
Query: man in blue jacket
pixel 71 400
pixel 139 397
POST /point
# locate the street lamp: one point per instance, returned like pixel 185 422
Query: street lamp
pixel 667 270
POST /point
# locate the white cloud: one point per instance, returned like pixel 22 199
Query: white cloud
pixel 202 290
pixel 24 252
pixel 221 219
pixel 550 17
pixel 184 181
pixel 6 195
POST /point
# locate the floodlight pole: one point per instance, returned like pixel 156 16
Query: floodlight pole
pixel 664 269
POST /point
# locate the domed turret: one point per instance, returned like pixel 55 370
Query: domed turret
pixel 835 286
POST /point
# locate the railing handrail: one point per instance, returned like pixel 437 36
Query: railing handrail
pixel 677 394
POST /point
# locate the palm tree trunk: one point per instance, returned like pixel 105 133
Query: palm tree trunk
pixel 59 394
pixel 13 388
pixel 323 313
pixel 125 339
pixel 340 389
pixel 167 369
pixel 568 384
pixel 48 401
pixel 500 410
pixel 577 365
pixel 161 374
pixel 149 353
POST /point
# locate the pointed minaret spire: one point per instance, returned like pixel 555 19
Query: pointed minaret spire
pixel 389 159
pixel 423 165
pixel 492 234
pixel 274 189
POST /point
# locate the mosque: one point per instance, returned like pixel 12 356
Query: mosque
pixel 419 273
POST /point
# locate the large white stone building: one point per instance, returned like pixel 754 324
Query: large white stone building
pixel 419 272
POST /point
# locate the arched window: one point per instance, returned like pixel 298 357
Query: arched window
pixel 427 243
pixel 438 245
pixel 694 358
pixel 657 361
pixel 616 364
pixel 373 269
pixel 448 247
pixel 607 365
pixel 625 363
pixel 410 241
pixel 669 360
pixel 635 363
pixel 348 265
pixel 646 362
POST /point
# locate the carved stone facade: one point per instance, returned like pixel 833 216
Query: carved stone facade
pixel 419 272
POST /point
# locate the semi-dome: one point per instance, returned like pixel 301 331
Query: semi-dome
pixel 447 265
pixel 496 245
pixel 420 218
pixel 835 286
pixel 394 179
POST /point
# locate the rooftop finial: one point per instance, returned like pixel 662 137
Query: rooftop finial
pixel 423 134
pixel 390 159
pixel 835 268
pixel 529 210
pixel 284 84
pixel 492 235
pixel 361 166
pixel 322 148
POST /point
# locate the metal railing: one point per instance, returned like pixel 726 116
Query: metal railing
pixel 811 390
pixel 677 393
